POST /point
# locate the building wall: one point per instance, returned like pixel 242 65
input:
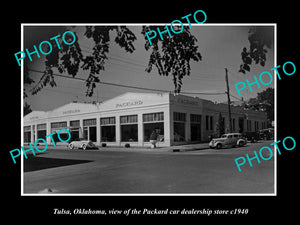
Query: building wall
pixel 209 112
pixel 182 120
pixel 125 105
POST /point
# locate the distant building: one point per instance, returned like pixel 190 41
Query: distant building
pixel 131 117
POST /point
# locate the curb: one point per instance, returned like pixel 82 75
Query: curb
pixel 138 149
pixel 188 149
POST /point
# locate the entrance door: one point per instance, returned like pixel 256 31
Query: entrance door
pixel 241 124
pixel 74 133
pixel 196 132
pixel 92 134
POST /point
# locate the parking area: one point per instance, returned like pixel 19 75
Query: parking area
pixel 148 171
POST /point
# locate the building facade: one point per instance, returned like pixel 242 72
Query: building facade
pixel 131 117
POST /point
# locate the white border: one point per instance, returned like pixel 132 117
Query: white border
pixel 151 194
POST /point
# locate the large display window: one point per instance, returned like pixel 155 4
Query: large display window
pixel 129 128
pixel 195 121
pixel 90 130
pixel 153 122
pixel 108 129
pixel 179 126
pixel 27 134
pixel 55 127
pixel 75 129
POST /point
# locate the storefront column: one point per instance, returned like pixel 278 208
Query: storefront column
pixel 81 128
pixel 48 130
pixel 98 131
pixel 167 128
pixel 118 131
pixel 187 128
pixel 140 130
pixel 35 133
pixel 32 134
pixel 171 127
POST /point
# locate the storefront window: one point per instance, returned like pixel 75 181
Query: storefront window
pixel 55 127
pixel 207 122
pixel 27 134
pixel 129 128
pixel 90 130
pixel 108 129
pixel 74 129
pixel 179 126
pixel 179 131
pixel 195 127
pixel 150 124
pixel 41 130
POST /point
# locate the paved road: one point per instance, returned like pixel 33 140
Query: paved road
pixel 130 171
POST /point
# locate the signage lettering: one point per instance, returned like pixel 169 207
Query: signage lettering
pixel 125 104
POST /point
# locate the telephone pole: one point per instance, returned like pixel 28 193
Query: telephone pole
pixel 228 98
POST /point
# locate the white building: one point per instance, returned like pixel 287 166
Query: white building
pixel 131 117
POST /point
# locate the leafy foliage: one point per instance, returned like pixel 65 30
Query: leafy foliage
pixel 26 109
pixel 174 56
pixel 69 58
pixel 260 38
pixel 64 58
pixel 100 35
pixel 263 102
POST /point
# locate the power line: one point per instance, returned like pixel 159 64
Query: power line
pixel 141 66
pixel 236 97
pixel 128 86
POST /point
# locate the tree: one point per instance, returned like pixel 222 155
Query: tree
pixel 260 38
pixel 69 58
pixel 263 102
pixel 26 109
pixel 173 58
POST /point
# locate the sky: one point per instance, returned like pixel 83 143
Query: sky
pixel 220 47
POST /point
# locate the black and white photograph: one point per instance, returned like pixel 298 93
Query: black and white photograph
pixel 111 111
pixel 114 112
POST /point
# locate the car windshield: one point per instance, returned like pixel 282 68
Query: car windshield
pixel 224 136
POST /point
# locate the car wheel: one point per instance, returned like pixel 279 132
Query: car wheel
pixel 84 146
pixel 241 144
pixel 71 146
pixel 219 146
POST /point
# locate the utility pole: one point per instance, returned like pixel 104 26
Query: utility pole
pixel 228 98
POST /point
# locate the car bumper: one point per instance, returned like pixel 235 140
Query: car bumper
pixel 212 145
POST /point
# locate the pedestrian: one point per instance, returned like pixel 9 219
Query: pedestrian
pixel 153 138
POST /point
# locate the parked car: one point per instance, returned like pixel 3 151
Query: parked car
pixel 82 144
pixel 252 136
pixel 266 134
pixel 228 140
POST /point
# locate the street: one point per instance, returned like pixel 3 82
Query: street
pixel 130 171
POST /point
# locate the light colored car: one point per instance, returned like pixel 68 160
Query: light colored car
pixel 82 144
pixel 228 141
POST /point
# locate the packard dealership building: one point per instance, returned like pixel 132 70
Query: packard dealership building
pixel 131 117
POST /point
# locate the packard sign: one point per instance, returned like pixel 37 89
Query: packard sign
pixel 126 104
pixel 186 101
pixel 71 111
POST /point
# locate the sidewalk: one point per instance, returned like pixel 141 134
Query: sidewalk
pixel 188 147
pixel 178 148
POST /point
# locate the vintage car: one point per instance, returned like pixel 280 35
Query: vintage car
pixel 82 144
pixel 228 141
